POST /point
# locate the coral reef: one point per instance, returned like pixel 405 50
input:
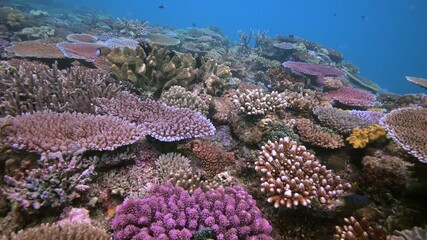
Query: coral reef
pixel 408 128
pixel 35 49
pixel 360 137
pixel 422 82
pixel 171 212
pixel 342 121
pixel 75 37
pixel 162 122
pixel 319 71
pixel 293 177
pixel 416 233
pixel 351 97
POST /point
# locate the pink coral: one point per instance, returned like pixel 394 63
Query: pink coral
pixel 352 97
pixel 55 134
pixel 163 122
pixel 317 70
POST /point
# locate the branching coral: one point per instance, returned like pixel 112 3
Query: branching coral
pixel 57 134
pixel 169 212
pixel 154 71
pixel 162 122
pixel 293 177
pixel 54 184
pixel 416 233
pixel 256 102
pixel 408 127
pixel 54 231
pixel 170 163
pixel 36 87
pixel 355 230
pixel 177 96
pixel 213 158
pixel 315 135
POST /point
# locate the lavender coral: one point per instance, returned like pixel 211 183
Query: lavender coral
pixel 407 127
pixel 293 177
pixel 162 122
pixel 56 134
pixel 172 213
pixel 319 71
pixel 352 97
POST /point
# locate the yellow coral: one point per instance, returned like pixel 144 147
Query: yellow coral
pixel 358 138
pixel 375 131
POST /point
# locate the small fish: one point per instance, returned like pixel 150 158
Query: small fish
pixel 364 17
pixel 335 14
pixel 193 24
pixel 102 51
pixel 352 202
pixel 162 6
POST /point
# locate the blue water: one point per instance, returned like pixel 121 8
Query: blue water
pixel 386 39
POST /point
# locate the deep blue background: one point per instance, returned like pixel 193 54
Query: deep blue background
pixel 386 39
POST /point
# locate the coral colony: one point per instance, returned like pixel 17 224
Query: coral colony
pixel 116 129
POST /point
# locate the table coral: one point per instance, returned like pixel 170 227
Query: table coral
pixel 408 127
pixel 163 122
pixel 293 177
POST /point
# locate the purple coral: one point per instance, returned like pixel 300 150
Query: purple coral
pixel 172 213
pixel 320 71
pixel 163 122
pixel 352 97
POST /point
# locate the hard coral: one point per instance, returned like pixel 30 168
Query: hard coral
pixel 355 230
pixel 177 96
pixel 163 122
pixel 340 120
pixel 256 102
pixel 169 212
pixel 407 127
pixel 352 97
pixel 313 134
pixel 293 177
pixel 54 231
pixel 57 134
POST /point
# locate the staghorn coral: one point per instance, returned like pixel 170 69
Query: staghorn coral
pixel 57 134
pixel 37 87
pixel 313 134
pixel 53 184
pixel 177 96
pixel 55 231
pixel 355 230
pixel 385 171
pixel 154 71
pixel 169 212
pixel 293 177
pixel 408 128
pixel 256 102
pixel 339 120
pixel 416 233
pixel 214 159
pixel 162 122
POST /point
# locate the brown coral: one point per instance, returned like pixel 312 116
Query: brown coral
pixel 293 177
pixel 358 230
pixel 315 135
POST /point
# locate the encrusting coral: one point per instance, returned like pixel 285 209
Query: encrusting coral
pixel 293 177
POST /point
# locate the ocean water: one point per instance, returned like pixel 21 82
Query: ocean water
pixel 385 39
